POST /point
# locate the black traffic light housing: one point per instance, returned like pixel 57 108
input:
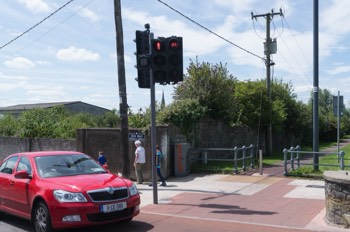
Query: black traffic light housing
pixel 159 60
pixel 143 62
pixel 175 59
pixel 167 60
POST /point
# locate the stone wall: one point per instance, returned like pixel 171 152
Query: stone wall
pixel 10 145
pixel 91 141
pixel 212 134
pixel 337 190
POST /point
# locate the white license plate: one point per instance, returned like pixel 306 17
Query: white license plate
pixel 112 207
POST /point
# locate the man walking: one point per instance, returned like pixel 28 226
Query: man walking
pixel 140 160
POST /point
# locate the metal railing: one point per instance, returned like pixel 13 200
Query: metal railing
pixel 244 154
pixel 295 157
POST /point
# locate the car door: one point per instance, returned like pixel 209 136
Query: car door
pixel 6 176
pixel 21 190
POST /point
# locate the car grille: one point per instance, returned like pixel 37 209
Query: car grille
pixel 100 217
pixel 108 194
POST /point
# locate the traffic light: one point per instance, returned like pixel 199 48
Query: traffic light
pixel 167 61
pixel 159 61
pixel 143 63
pixel 175 59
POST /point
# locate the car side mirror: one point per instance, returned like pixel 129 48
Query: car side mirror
pixel 23 174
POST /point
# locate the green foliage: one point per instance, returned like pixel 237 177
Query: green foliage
pixel 212 86
pixel 8 126
pixel 142 119
pixel 251 98
pixel 328 123
pixel 55 122
pixel 186 114
pixel 110 119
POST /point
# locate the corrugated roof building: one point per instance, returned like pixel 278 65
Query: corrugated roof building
pixel 73 106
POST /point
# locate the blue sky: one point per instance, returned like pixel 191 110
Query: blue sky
pixel 70 56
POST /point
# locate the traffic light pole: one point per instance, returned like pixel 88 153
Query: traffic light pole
pixel 153 127
pixel 157 61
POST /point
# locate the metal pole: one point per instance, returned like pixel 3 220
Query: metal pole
pixel 315 130
pixel 338 127
pixel 153 131
pixel 260 162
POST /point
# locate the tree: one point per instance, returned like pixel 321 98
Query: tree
pixel 212 86
pixel 186 114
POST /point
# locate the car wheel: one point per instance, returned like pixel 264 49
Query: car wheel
pixel 42 218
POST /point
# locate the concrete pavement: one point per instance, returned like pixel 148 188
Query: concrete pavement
pixel 256 200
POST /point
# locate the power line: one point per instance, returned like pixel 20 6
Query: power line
pixel 207 29
pixel 296 41
pixel 17 37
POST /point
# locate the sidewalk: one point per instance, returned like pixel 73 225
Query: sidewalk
pixel 266 200
pixel 257 200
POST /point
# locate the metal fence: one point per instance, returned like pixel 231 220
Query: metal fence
pixel 244 154
pixel 295 154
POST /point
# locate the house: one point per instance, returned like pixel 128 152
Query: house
pixel 73 106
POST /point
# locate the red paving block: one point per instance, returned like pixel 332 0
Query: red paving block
pixel 268 206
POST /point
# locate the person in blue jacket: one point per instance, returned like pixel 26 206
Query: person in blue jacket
pixel 101 158
pixel 159 156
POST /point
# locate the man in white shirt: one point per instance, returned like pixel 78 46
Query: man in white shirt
pixel 140 160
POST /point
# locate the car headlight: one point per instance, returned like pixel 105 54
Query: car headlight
pixel 133 190
pixel 64 196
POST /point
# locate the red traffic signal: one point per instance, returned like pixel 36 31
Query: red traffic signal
pixel 157 46
pixel 167 63
pixel 174 44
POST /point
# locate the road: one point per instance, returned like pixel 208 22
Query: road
pixel 155 223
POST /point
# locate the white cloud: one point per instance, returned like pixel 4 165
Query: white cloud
pixel 36 6
pixel 43 62
pixel 338 70
pixel 77 54
pixel 86 13
pixel 19 63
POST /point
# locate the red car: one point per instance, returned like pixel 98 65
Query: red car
pixel 64 189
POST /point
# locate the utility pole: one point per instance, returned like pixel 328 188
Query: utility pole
pixel 123 105
pixel 268 51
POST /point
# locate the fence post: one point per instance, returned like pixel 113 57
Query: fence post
pixel 244 155
pixel 260 162
pixel 298 148
pixel 342 153
pixel 205 157
pixel 285 152
pixel 251 156
pixel 235 160
pixel 292 158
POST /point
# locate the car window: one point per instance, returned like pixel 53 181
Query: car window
pixel 9 165
pixel 66 165
pixel 24 164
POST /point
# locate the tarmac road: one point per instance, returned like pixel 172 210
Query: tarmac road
pixel 155 223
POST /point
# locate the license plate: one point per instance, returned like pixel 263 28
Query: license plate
pixel 113 207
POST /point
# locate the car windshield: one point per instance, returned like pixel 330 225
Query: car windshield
pixel 66 165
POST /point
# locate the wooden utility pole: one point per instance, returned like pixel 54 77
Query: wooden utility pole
pixel 268 64
pixel 123 105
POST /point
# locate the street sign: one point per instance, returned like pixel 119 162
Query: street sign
pixel 136 136
pixel 335 106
